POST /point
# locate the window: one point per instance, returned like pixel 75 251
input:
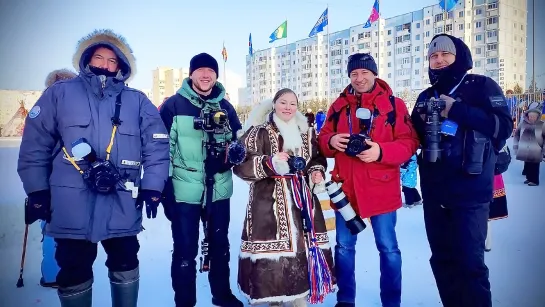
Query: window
pixel 460 14
pixel 439 30
pixel 492 6
pixel 389 43
pixel 438 17
pixel 427 22
pixel 417 48
pixel 491 60
pixel 417 37
pixel 417 72
pixel 418 25
pixel 389 32
pixel 492 20
pixel 427 33
pixel 478 37
pixel 478 11
pixel 399 28
pixel 417 60
pixel 477 64
pixel 461 26
pixel 478 50
pixel 478 24
pixel 492 47
pixel 449 28
pixel 399 39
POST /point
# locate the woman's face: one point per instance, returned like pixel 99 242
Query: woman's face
pixel 532 117
pixel 285 107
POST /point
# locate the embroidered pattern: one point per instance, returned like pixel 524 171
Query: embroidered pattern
pixel 499 192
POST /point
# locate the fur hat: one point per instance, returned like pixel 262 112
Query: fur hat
pixel 108 38
pixel 58 75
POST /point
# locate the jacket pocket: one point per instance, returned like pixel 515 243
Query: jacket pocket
pixel 383 175
pixel 124 215
pixel 74 128
pixel 70 209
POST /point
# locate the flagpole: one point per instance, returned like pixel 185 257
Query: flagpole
pixel 286 50
pixel 327 66
pixel 378 44
pixel 224 71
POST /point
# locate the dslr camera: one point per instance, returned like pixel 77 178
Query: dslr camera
pixel 354 222
pixel 102 176
pixel 214 121
pixel 297 164
pixel 432 108
pixel 356 142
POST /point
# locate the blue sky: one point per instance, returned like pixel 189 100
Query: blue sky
pixel 40 36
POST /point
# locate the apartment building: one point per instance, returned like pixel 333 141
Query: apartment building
pixel 494 30
pixel 167 81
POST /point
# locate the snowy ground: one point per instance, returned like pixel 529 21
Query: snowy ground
pixel 516 265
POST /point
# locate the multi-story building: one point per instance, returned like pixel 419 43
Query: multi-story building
pixel 494 30
pixel 167 81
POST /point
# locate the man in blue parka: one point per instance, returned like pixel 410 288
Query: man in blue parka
pixel 97 128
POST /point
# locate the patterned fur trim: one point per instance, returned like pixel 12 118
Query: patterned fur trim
pixel 106 36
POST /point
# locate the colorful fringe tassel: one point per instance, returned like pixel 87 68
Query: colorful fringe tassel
pixel 319 274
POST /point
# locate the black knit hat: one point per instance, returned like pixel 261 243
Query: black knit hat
pixel 203 60
pixel 362 61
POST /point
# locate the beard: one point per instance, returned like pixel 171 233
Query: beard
pixel 203 88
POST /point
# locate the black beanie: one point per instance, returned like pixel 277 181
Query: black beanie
pixel 203 60
pixel 362 61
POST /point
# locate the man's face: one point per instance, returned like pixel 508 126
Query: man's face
pixel 204 80
pixel 105 58
pixel 362 80
pixel 441 59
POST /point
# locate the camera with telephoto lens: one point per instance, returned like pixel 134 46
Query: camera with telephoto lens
pixel 211 121
pixel 354 222
pixel 432 108
pixel 296 164
pixel 101 176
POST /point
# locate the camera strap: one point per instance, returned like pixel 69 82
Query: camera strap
pixel 115 123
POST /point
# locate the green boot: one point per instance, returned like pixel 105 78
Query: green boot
pixel 77 296
pixel 124 287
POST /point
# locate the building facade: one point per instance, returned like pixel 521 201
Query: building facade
pixel 494 30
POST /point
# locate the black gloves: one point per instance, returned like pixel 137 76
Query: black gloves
pixel 167 198
pixel 152 200
pixel 38 207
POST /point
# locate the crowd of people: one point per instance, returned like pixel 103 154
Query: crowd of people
pixel 95 153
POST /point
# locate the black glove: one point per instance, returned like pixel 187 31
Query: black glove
pixel 152 200
pixel 38 207
pixel 167 199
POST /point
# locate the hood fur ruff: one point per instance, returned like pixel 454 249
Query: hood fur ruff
pixel 109 37
pixel 260 115
pixel 58 75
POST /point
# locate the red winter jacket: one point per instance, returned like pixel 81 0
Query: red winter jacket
pixel 372 188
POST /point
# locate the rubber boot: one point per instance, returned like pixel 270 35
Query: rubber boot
pixel 77 296
pixel 124 287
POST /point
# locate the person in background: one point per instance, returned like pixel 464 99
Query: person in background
pixel 408 183
pixel 50 268
pixel 320 119
pixel 310 117
pixel 498 208
pixel 529 145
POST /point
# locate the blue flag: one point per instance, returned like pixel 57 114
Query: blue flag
pixel 320 24
pixel 250 46
pixel 448 5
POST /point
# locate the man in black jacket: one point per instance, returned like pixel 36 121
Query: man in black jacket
pixel 457 188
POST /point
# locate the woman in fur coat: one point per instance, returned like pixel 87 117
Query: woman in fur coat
pixel 276 250
pixel 529 145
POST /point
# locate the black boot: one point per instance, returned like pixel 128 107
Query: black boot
pixel 227 301
pixel 124 288
pixel 77 296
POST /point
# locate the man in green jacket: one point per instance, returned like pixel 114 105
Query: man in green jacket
pixel 201 123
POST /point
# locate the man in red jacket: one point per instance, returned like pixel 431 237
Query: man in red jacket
pixel 371 179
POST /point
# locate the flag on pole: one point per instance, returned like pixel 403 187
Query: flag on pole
pixel 250 46
pixel 280 32
pixel 320 24
pixel 448 5
pixel 375 15
pixel 224 53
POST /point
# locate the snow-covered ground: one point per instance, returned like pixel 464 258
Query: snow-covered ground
pixel 516 262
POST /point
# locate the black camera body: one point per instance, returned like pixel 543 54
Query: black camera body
pixel 432 108
pixel 102 176
pixel 297 164
pixel 356 144
pixel 211 121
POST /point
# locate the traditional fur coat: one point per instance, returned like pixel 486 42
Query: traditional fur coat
pixel 529 141
pixel 273 264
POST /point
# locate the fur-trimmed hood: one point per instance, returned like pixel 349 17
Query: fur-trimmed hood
pixel 262 112
pixel 116 42
pixel 58 75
